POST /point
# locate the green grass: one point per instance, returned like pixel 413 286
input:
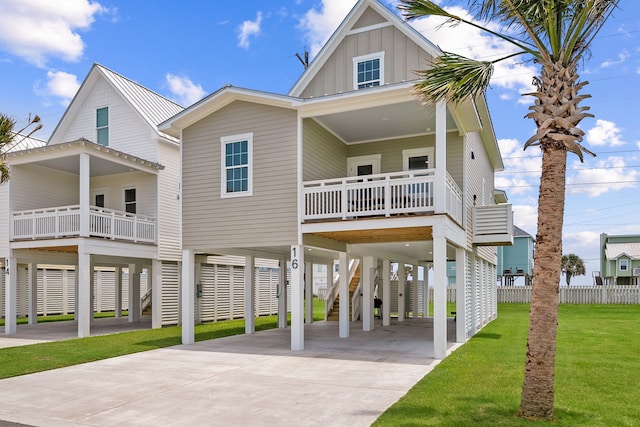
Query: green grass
pixel 28 359
pixel 61 317
pixel 597 373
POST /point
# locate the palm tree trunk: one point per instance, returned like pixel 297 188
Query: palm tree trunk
pixel 538 390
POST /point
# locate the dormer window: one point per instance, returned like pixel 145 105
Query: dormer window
pixel 368 70
pixel 102 126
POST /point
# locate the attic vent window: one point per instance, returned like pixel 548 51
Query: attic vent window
pixel 102 126
pixel 368 70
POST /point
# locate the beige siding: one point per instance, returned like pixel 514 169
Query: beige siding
pixel 169 202
pixel 269 217
pixel 477 169
pixel 128 132
pixel 390 150
pixel 402 58
pixel 369 17
pixel 34 187
pixel 325 156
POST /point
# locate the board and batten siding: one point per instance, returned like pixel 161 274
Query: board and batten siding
pixel 325 156
pixel 270 215
pixel 402 57
pixel 128 131
pixel 169 202
pixel 478 169
pixel 36 187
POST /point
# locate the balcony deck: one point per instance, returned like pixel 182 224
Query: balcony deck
pixel 65 221
pixel 379 195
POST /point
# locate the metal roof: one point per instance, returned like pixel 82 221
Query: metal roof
pixel 153 107
pixel 615 250
pixel 23 142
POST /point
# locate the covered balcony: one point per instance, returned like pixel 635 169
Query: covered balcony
pixel 386 194
pixel 71 221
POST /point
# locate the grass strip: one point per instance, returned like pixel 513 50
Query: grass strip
pixel 597 373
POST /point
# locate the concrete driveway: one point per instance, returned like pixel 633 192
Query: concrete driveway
pixel 236 381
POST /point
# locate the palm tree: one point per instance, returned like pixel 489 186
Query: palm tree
pixel 572 265
pixel 555 35
pixel 9 139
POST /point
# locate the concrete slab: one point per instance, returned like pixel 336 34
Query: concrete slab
pixel 236 381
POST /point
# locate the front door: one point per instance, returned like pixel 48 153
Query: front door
pixel 363 165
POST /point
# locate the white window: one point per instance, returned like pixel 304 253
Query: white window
pixel 363 165
pixel 368 70
pixel 623 264
pixel 102 126
pixel 418 158
pixel 237 165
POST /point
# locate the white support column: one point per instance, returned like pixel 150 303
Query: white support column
pixel 414 292
pixel 308 292
pixel 461 315
pixel 297 299
pixel 187 286
pixel 440 295
pixel 386 292
pixel 368 267
pixel 134 292
pixel 282 294
pixel 401 292
pixel 83 303
pixel 156 294
pixel 249 294
pixel 84 195
pixel 92 291
pixel 343 292
pixel 426 299
pixel 118 302
pixel 10 296
pixel 440 183
pixel 33 293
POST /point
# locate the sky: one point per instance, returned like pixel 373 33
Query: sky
pixel 186 50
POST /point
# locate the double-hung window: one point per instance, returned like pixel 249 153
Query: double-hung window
pixel 130 200
pixel 102 126
pixel 237 173
pixel 368 70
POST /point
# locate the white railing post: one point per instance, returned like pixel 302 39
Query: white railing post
pixel 344 199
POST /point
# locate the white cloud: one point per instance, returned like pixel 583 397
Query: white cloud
pixel 184 89
pixel 248 29
pixel 37 30
pixel 526 217
pixel 470 42
pixel 622 56
pixel 318 25
pixel 609 175
pixel 62 85
pixel 604 133
pixel 522 168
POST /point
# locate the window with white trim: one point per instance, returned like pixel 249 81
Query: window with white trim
pixel 418 158
pixel 368 70
pixel 130 200
pixel 102 126
pixel 237 165
pixel 623 264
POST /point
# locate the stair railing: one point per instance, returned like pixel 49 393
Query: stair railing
pixel 332 292
pixel 146 300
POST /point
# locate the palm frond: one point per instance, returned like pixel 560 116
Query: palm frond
pixel 453 78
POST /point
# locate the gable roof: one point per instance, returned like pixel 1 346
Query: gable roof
pixel 352 23
pixel 150 106
pixel 616 250
pixel 519 232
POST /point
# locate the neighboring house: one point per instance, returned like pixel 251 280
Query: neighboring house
pixel 619 259
pixel 348 165
pixel 517 260
pixel 103 192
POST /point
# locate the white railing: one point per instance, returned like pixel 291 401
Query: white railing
pixel 380 194
pixel 454 199
pixel 576 294
pixel 332 292
pixel 64 221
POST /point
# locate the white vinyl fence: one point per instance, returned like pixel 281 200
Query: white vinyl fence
pixel 576 294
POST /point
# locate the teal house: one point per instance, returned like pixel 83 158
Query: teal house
pixel 620 259
pixel 517 260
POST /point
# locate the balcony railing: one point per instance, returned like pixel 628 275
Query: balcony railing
pixel 378 195
pixel 64 221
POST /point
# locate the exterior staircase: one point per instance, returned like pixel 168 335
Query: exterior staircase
pixel 334 313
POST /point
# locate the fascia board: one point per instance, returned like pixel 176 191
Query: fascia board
pixel 218 100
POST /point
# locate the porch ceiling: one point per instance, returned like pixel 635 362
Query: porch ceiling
pixel 383 122
pixel 97 166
